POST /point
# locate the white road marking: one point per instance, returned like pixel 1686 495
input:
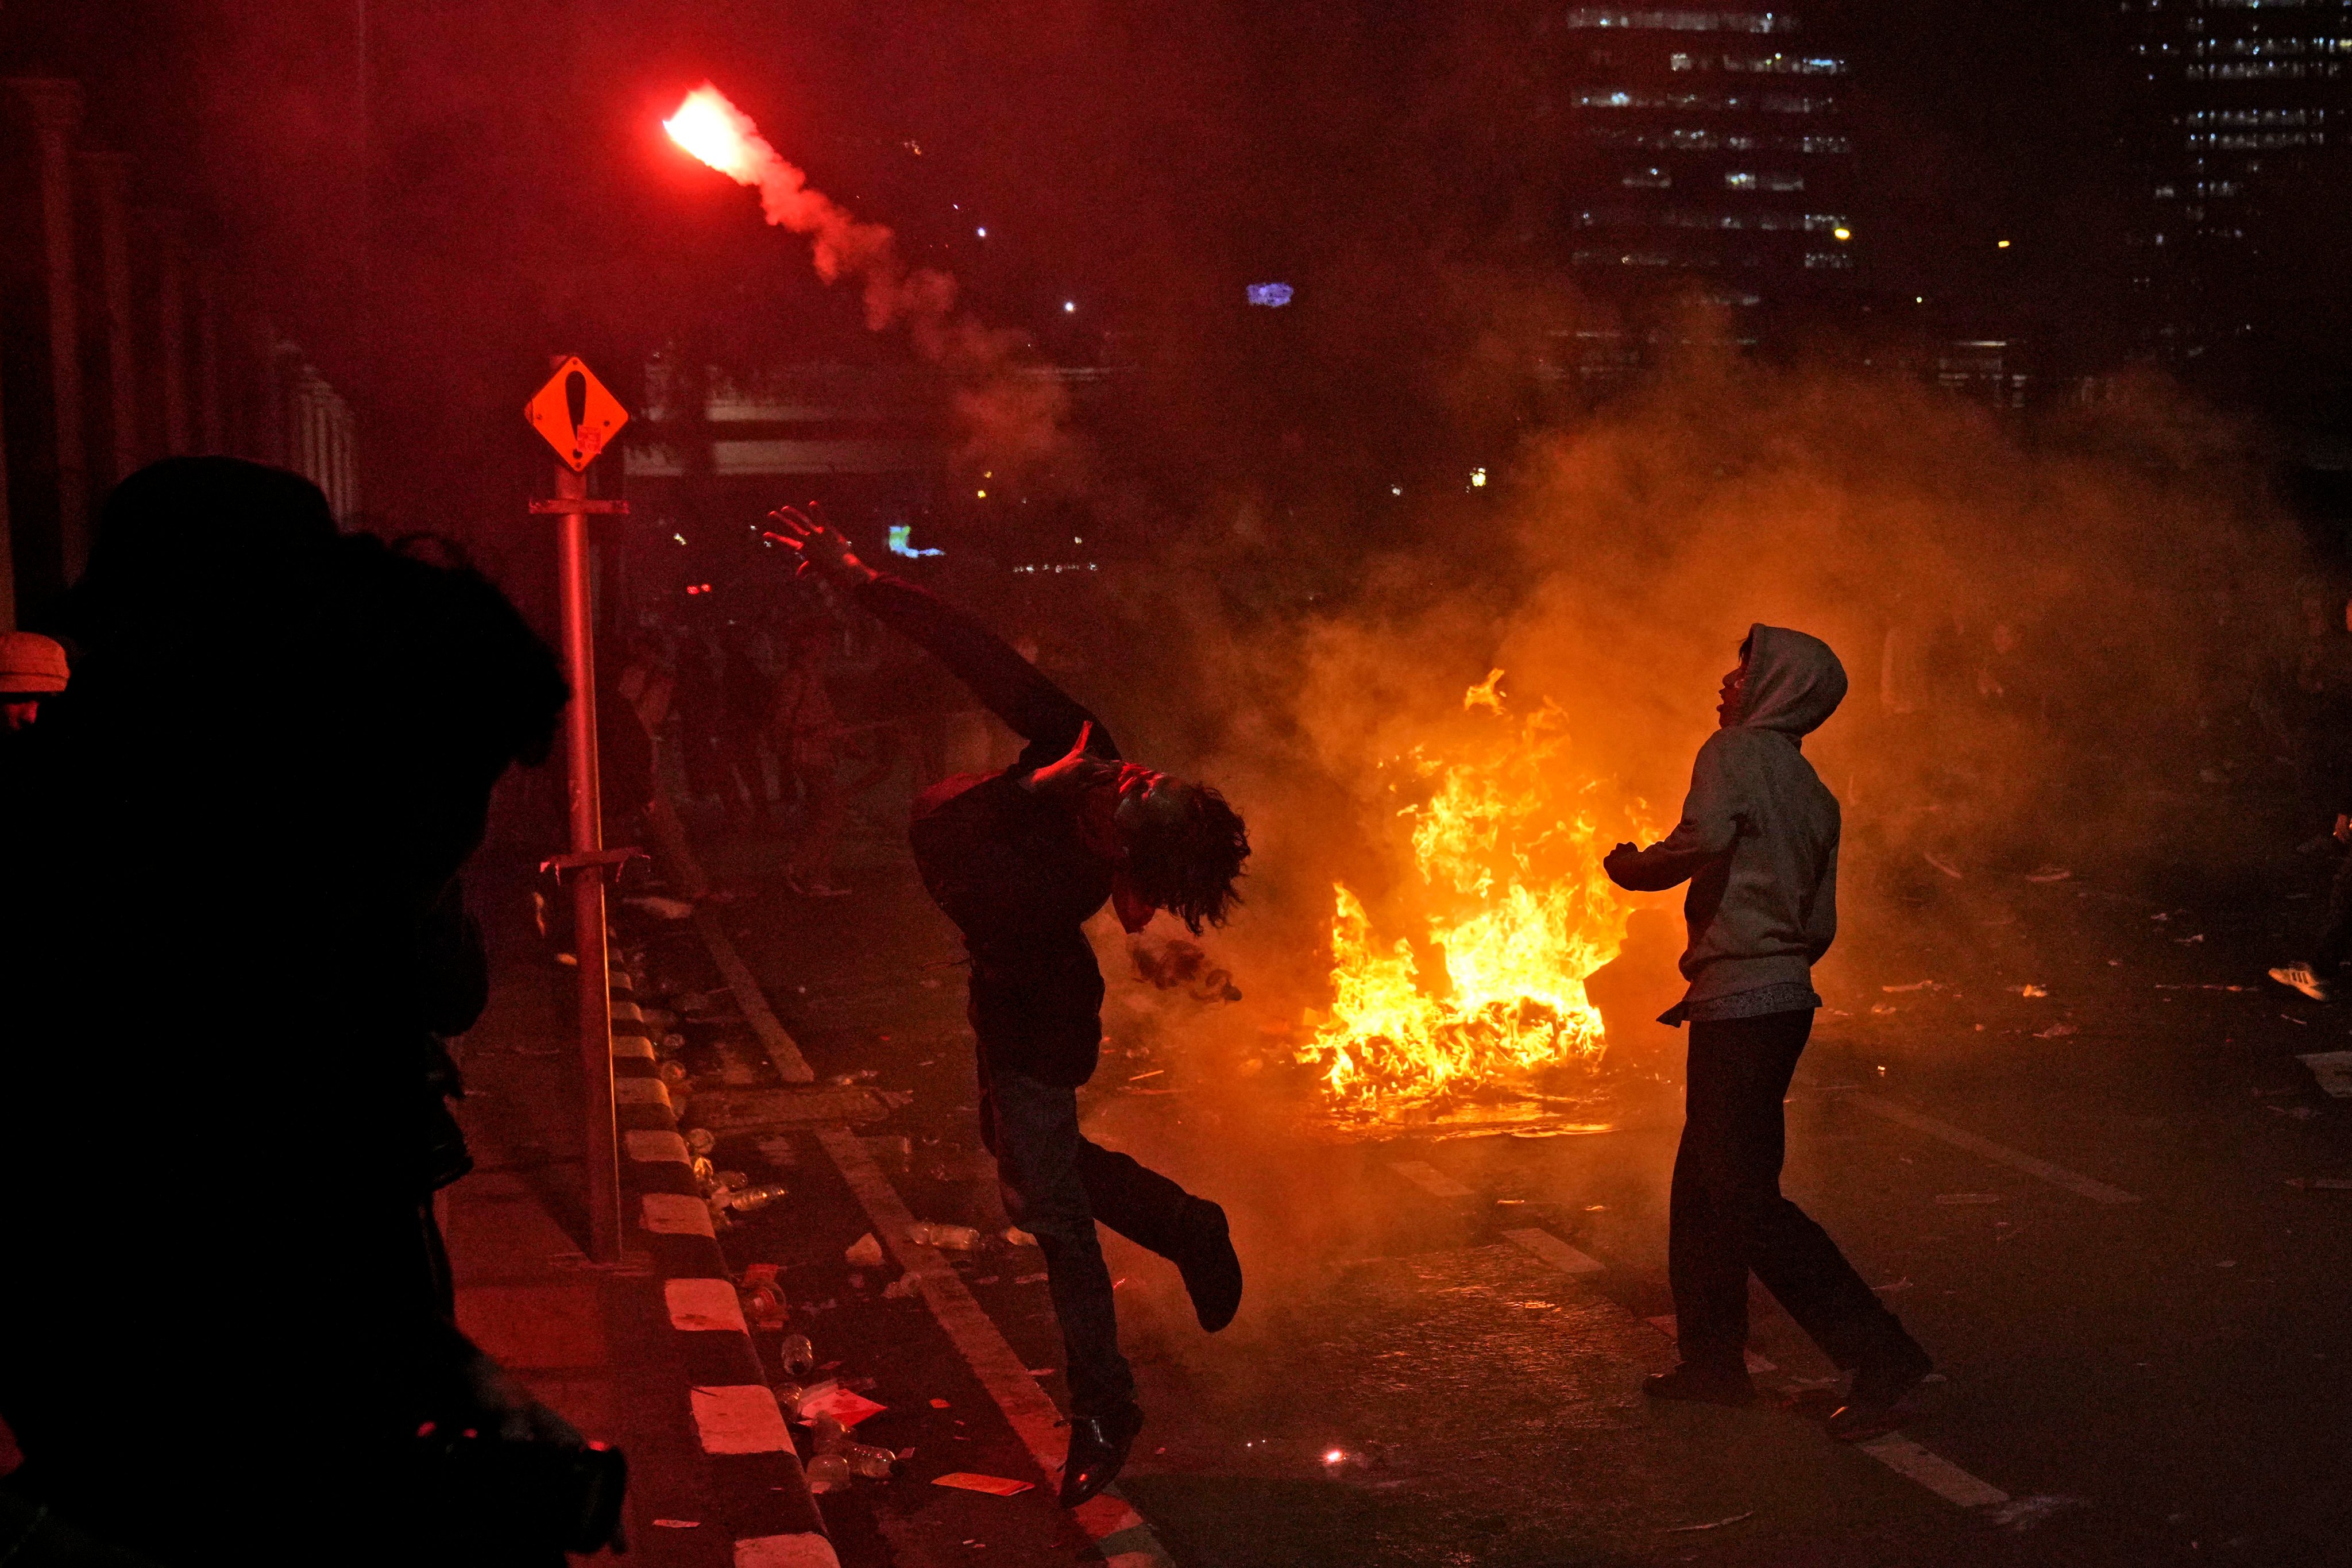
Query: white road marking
pixel 676 1213
pixel 632 1047
pixel 803 1550
pixel 1984 1148
pixel 628 1012
pixel 740 1418
pixel 704 1304
pixel 1431 1180
pixel 1935 1472
pixel 783 1053
pixel 1672 1328
pixel 1893 1450
pixel 640 1091
pixel 1032 1414
pixel 651 1146
pixel 1554 1251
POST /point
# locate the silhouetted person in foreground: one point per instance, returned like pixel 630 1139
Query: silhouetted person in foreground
pixel 1019 860
pixel 1757 843
pixel 223 1317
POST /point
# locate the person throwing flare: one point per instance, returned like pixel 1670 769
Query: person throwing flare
pixel 1759 844
pixel 1019 860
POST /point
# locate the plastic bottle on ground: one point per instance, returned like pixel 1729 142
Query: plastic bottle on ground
pixel 701 1139
pixel 868 1461
pixel 799 1355
pixel 828 1473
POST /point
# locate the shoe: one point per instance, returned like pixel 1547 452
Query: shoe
pixel 1694 1383
pixel 1871 1409
pixel 1098 1446
pixel 1211 1269
pixel 2299 977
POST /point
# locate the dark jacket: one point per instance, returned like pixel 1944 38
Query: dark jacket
pixel 1006 867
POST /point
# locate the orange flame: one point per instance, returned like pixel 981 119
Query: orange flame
pixel 721 135
pixel 1508 849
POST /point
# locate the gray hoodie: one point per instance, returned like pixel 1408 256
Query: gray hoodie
pixel 1759 837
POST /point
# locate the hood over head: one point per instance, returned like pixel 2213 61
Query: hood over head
pixel 1794 681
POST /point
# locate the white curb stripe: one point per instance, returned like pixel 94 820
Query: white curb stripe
pixel 640 1091
pixel 1431 1180
pixel 701 1304
pixel 632 1047
pixel 628 1012
pixel 804 1551
pixel 740 1418
pixel 1960 1138
pixel 652 1146
pixel 676 1213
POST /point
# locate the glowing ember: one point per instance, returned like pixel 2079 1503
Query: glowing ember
pixel 721 135
pixel 1507 849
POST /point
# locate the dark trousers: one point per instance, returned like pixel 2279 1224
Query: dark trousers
pixel 1729 1218
pixel 1057 1183
pixel 2335 939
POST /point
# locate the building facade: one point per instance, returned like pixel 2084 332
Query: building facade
pixel 2239 123
pixel 1706 146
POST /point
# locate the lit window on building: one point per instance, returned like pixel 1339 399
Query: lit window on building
pixel 1740 181
pixel 1683 21
pixel 1828 260
pixel 1649 179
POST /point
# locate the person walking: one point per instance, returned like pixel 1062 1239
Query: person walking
pixel 1757 843
pixel 1019 860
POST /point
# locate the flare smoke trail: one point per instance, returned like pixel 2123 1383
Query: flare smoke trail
pixel 1009 418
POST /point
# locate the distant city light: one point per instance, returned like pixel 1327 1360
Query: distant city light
pixel 2002 245
pixel 902 536
pixel 982 233
pixel 1069 304
pixel 679 537
pixel 1478 478
pixel 1844 233
pixel 982 494
pixel 1269 294
pixel 1396 489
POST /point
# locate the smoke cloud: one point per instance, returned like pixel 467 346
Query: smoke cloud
pixel 1008 418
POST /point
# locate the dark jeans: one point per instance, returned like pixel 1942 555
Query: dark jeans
pixel 1056 1185
pixel 2335 939
pixel 1729 1218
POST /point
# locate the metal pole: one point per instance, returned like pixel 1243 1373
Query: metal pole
pixel 603 1152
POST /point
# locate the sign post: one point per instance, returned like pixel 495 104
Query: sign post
pixel 577 415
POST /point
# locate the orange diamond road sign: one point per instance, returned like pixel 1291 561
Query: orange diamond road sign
pixel 575 414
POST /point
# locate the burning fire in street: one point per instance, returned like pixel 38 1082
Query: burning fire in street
pixel 1506 832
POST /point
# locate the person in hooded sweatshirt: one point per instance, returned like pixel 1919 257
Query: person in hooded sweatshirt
pixel 1759 845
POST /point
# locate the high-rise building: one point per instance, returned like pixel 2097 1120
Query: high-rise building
pixel 1706 146
pixel 2240 107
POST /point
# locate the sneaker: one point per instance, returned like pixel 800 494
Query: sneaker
pixel 2299 976
pixel 1875 1406
pixel 1694 1383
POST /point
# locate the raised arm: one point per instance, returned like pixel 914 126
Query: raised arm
pixel 1009 686
pixel 1710 824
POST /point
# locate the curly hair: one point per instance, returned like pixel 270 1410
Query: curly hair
pixel 1185 853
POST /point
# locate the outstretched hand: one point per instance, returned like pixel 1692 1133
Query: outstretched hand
pixel 1073 772
pixel 1620 860
pixel 821 548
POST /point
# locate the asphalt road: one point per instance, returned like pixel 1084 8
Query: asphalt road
pixel 2084 1203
